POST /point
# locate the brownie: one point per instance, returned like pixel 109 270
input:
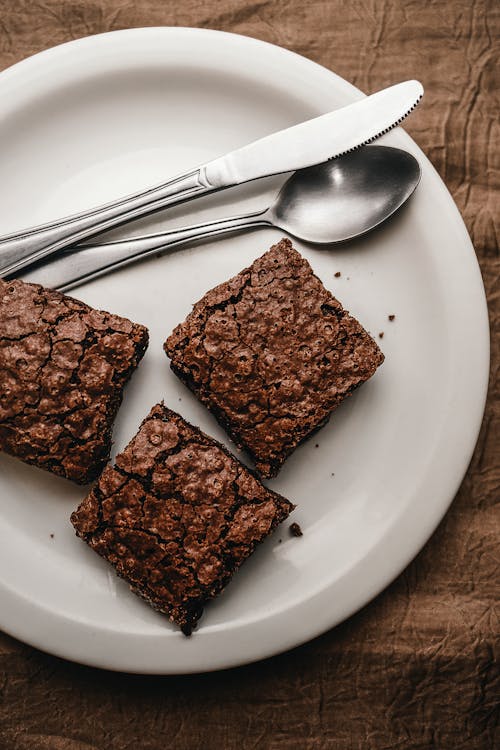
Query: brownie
pixel 271 353
pixel 177 515
pixel 63 367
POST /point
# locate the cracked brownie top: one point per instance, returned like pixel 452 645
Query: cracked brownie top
pixel 177 515
pixel 271 353
pixel 63 366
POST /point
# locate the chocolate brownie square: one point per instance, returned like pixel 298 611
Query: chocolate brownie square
pixel 177 515
pixel 271 353
pixel 63 367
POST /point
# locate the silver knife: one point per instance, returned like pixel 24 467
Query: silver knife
pixel 311 142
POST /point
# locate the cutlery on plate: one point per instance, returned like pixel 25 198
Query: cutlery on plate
pixel 311 142
pixel 331 202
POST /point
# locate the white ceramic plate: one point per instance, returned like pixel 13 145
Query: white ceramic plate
pixel 103 116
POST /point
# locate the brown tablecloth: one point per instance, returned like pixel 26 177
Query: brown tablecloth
pixel 417 668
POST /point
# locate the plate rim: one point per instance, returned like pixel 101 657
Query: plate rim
pixel 51 636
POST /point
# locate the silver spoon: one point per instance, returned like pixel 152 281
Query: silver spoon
pixel 332 202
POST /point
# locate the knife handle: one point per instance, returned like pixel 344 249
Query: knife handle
pixel 23 248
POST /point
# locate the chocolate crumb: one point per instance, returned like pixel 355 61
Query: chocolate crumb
pixel 295 530
pixel 337 274
pixel 333 473
pixel 52 536
pixel 391 317
pixel 381 335
pixel 317 445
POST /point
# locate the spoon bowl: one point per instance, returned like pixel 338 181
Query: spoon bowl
pixel 346 197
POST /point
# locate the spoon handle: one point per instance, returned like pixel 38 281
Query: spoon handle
pixel 71 268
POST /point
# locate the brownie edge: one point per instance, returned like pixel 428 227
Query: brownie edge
pixel 272 353
pixel 63 368
pixel 177 515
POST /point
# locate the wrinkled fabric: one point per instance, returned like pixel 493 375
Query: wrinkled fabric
pixel 417 668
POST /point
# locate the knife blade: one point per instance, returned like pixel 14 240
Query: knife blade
pixel 311 142
pixel 317 140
